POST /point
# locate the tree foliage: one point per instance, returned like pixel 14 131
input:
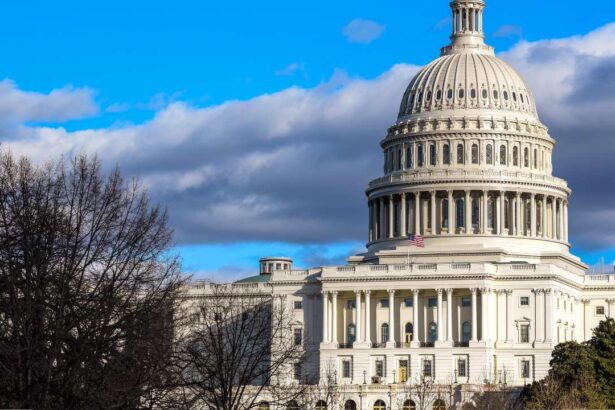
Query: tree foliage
pixel 86 289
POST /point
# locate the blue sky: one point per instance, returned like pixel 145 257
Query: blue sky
pixel 136 72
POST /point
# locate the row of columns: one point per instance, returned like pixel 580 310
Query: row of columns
pixel 467 19
pixel 330 298
pixel 390 216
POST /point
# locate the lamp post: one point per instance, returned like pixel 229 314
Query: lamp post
pixel 364 376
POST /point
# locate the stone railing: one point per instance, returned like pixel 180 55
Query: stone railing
pixel 437 174
pixel 600 279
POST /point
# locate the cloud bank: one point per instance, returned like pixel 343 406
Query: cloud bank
pixel 363 31
pixel 292 166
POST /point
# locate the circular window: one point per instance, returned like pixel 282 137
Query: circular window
pixel 485 94
pixel 473 93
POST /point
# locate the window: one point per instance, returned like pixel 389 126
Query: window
pixel 459 210
pixel 514 94
pixel 475 154
pixel 439 95
pixel 524 336
pixel 398 159
pixel 466 332
pixel 521 95
pixel 525 368
pixel 379 368
pixel 409 405
pixel 384 333
pixel 380 405
pixel 516 156
pixel 490 154
pixel 429 96
pixel 292 405
pixel 432 302
pixel 449 93
pixel 462 93
pixel 427 368
pixel 505 94
pixel 346 369
pixel 409 330
pixel 491 213
pixel 352 333
pixel 351 304
pixel 421 158
pixel 599 310
pixel 321 405
pixel 526 158
pixel 473 93
pixel 460 158
pixel 444 216
pixel 439 405
pixel 495 95
pixel 384 303
pixel 485 93
pixel 432 155
pixel 263 406
pixel 433 332
pixel 502 155
pixel 409 157
pixel 466 301
pixel 408 302
pixel 298 305
pixel 462 368
pixel 524 301
pixel 535 158
pixel 298 336
pixel 446 150
pixel 350 405
pixel 297 371
pixel 475 213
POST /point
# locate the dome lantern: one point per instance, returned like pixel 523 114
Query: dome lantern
pixel 467 27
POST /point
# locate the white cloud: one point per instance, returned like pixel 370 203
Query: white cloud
pixel 363 31
pixel 291 69
pixel 508 31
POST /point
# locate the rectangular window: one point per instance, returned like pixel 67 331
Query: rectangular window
pixel 427 368
pixel 462 370
pixel 298 305
pixel 524 301
pixel 408 302
pixel 599 310
pixel 525 369
pixel 466 301
pixel 346 369
pixel 379 370
pixel 384 303
pixel 525 334
pixel 432 302
pixel 298 336
pixel 297 373
pixel 351 304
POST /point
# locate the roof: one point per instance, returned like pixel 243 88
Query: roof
pixel 256 279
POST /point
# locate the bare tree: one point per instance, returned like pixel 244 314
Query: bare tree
pixel 87 289
pixel 239 343
pixel 425 392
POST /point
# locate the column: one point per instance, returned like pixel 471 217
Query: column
pixel 417 213
pixel 539 330
pixel 368 327
pixel 554 218
pixel 474 316
pixel 561 220
pixel 334 317
pixel 468 209
pixel 510 324
pixel 325 317
pixel 485 212
pixel 404 225
pixel 392 326
pixel 544 216
pixel 565 217
pixel 548 316
pixel 382 229
pixel 425 217
pixel 449 318
pixel 585 302
pixel 485 294
pixel 391 217
pixel 434 227
pixel 357 294
pixel 501 213
pixel 451 221
pixel 533 215
pixel 519 217
pixel 440 328
pixel 415 313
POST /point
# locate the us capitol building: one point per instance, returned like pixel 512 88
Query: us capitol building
pixel 468 167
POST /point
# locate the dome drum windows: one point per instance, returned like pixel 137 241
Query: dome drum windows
pixel 460 154
pixel 446 154
pixel 475 154
pixel 516 156
pixel 490 154
pixel 432 155
pixel 503 159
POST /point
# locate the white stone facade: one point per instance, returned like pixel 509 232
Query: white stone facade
pixel 468 167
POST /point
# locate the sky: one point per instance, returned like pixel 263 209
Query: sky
pixel 258 123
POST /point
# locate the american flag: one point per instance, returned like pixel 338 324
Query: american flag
pixel 416 240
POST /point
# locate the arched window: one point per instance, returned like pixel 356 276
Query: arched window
pixel 475 154
pixel 466 330
pixel 350 405
pixel 439 405
pixel 409 331
pixel 352 333
pixel 432 155
pixel 446 153
pixel 444 216
pixel 473 93
pixel 535 158
pixel 421 157
pixel 490 154
pixel 505 94
pixel 506 215
pixel 502 154
pixel 433 332
pixel 409 405
pixel 321 405
pixel 263 406
pixel 399 159
pixel 516 156
pixel 384 333
pixel 380 405
pixel 491 213
pixel 460 159
pixel 409 161
pixel 460 214
pixel 292 405
pixel 475 213
pixel 526 157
